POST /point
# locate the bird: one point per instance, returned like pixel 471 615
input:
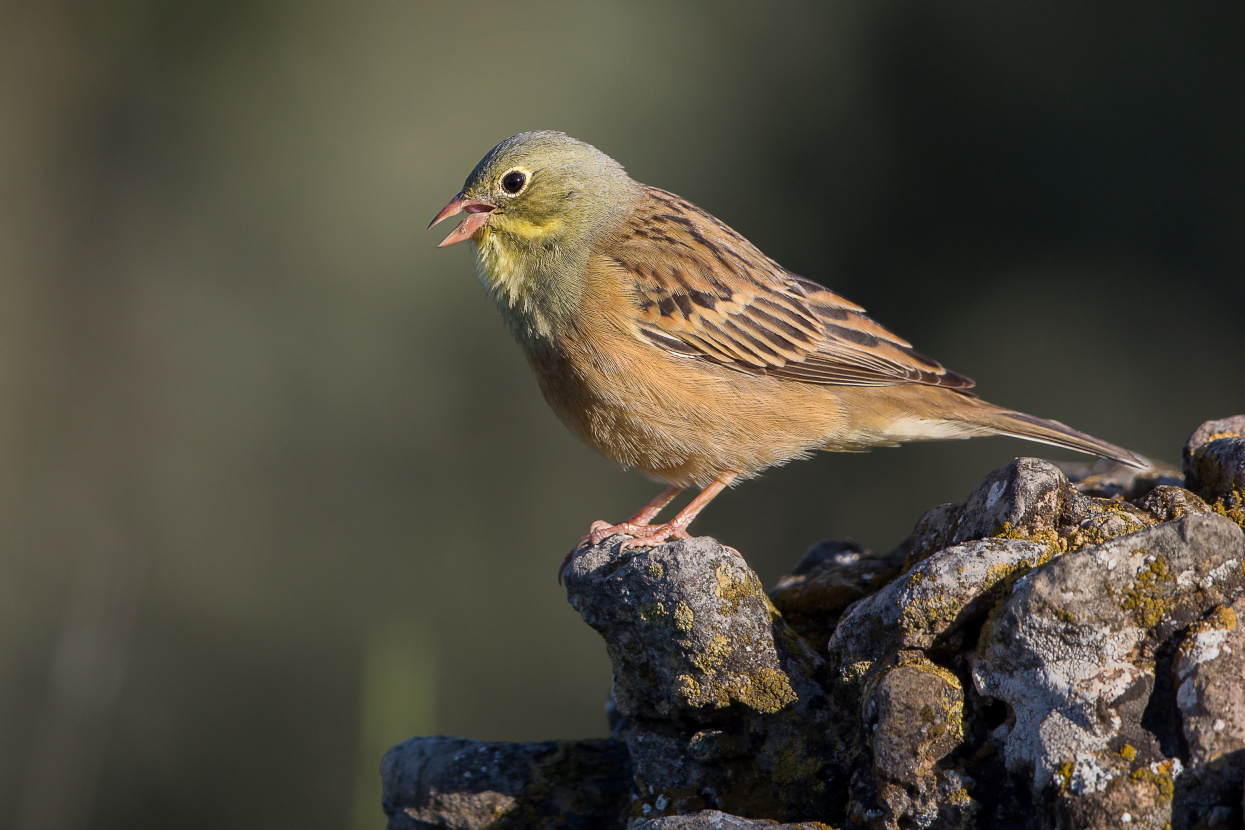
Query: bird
pixel 671 344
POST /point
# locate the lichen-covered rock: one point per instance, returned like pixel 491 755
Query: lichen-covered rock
pixel 1168 503
pixel 687 626
pixel 1076 652
pixel 915 711
pixel 1025 498
pixel 440 783
pixel 1209 669
pixel 717 820
pixel 832 575
pixel 722 706
pixel 1028 499
pixel 930 603
pixel 1059 650
pixel 1214 465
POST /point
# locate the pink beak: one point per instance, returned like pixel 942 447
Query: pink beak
pixel 478 213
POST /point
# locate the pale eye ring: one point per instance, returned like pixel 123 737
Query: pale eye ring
pixel 513 181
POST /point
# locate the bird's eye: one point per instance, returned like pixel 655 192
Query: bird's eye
pixel 513 181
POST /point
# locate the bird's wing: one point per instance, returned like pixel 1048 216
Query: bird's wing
pixel 703 291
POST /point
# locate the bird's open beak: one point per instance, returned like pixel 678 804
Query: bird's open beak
pixel 478 213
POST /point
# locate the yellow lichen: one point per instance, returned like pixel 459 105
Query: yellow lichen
pixel 1145 597
pixel 929 613
pixel 1044 536
pixel 768 691
pixel 1063 775
pixel 734 593
pixel 655 570
pixel 1128 752
pixel 1223 618
pixel 653 612
pixel 857 671
pixel 1160 776
pixel 919 661
pixel 1231 506
pixel 792 765
pixel 1096 530
pixel 683 617
pixel 713 655
pixel 686 688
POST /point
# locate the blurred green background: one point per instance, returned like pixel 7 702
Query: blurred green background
pixel 276 490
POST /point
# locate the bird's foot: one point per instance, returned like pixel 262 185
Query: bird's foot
pixel 655 535
pixel 642 535
pixel 600 531
pixel 597 533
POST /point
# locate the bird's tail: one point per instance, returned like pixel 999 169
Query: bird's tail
pixel 1019 425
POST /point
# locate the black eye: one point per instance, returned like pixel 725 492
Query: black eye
pixel 513 181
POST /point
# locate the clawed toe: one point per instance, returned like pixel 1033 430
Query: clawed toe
pixel 654 535
pixel 601 531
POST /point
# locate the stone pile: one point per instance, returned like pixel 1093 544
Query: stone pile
pixel 1056 651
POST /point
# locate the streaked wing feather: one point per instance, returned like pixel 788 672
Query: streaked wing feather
pixel 705 292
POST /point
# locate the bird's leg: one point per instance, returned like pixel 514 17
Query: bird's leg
pixel 677 527
pixel 638 523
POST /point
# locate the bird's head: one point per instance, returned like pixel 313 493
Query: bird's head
pixel 538 190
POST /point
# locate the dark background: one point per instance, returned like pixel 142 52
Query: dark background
pixel 276 490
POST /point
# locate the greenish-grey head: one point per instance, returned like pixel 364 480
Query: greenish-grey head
pixel 538 187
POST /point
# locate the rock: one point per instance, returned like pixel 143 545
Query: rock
pixel 1075 653
pixel 1214 465
pixel 1027 499
pixel 934 600
pixel 1167 503
pixel 1059 650
pixel 722 703
pixel 832 575
pixel 687 626
pixel 1112 480
pixel 460 784
pixel 916 713
pixel 1210 673
pixel 716 820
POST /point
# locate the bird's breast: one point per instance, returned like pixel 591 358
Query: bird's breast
pixel 675 418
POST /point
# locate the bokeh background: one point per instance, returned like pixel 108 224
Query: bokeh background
pixel 276 490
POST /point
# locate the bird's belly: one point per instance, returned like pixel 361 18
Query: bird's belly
pixel 681 423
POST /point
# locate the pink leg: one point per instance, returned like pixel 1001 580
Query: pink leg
pixel 636 524
pixel 677 527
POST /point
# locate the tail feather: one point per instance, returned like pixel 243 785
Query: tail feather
pixel 1019 425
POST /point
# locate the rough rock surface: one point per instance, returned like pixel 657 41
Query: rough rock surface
pixel 717 820
pixel 440 782
pixel 1059 650
pixel 721 701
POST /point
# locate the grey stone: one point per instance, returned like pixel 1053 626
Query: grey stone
pixel 1028 494
pixel 1209 673
pixel 930 602
pixel 1168 503
pixel 1052 652
pixel 716 820
pixel 722 703
pixel 1027 499
pixel 1214 462
pixel 1073 656
pixel 687 626
pixel 916 711
pixel 832 575
pixel 441 783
